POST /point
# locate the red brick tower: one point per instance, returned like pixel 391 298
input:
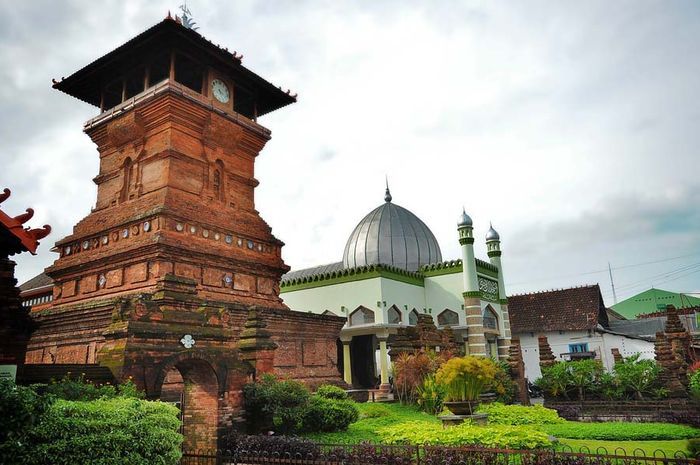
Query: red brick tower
pixel 177 139
pixel 157 282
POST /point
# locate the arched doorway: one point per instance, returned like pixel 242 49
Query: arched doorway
pixel 193 385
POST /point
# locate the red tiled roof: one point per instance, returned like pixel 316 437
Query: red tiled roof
pixel 575 309
pixel 14 238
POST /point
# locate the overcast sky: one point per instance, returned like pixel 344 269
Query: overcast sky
pixel 573 125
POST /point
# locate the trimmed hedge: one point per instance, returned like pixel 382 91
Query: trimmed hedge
pixel 500 414
pixel 326 415
pixel 621 431
pixel 329 391
pixel 500 436
pixel 119 431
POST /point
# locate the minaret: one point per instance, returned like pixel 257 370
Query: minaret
pixel 475 342
pixel 493 249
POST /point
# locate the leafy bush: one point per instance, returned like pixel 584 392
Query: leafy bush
pixel 21 409
pixel 694 447
pixel 322 414
pixel 464 378
pixel 502 385
pixel 241 446
pixel 638 379
pixel 418 432
pixel 410 370
pixel 621 431
pixel 331 392
pixel 431 396
pixel 105 431
pixel 500 414
pixel 694 384
pixel 631 378
pixel 374 411
pixel 275 404
pixel 72 388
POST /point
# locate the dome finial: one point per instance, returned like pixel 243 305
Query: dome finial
pixel 492 235
pixel 464 219
pixel 387 194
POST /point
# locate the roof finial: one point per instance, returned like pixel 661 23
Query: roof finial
pixel 187 17
pixel 387 194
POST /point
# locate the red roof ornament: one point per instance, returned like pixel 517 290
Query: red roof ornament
pixel 14 237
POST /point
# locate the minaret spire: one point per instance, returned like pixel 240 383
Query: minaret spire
pixel 387 194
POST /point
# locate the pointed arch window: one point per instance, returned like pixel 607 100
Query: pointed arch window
pixel 394 315
pixel 413 317
pixel 490 318
pixel 448 318
pixel 361 316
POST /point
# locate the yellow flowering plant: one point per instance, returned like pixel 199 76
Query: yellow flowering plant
pixel 464 378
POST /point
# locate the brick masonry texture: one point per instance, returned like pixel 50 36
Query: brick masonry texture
pixel 174 247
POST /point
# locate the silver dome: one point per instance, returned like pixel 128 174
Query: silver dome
pixel 391 235
pixel 464 219
pixel 492 235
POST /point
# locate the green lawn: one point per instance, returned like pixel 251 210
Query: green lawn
pixel 650 448
pixel 366 430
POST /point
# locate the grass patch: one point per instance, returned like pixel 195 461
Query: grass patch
pixel 621 431
pixel 649 448
pixel 372 418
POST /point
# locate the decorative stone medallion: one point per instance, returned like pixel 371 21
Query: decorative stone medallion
pixel 146 226
pixel 86 245
pixel 187 341
pixel 179 227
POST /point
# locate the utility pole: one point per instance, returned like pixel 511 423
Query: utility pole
pixel 612 283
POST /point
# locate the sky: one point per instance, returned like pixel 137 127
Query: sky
pixel 573 126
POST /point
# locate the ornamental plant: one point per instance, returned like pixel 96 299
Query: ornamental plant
pixel 431 396
pixel 464 378
pixel 410 370
pixel 694 384
pixel 637 378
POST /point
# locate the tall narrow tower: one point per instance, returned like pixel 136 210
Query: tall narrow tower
pixel 173 278
pixel 177 137
pixel 476 341
pixel 493 250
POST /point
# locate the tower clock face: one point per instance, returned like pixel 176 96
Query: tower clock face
pixel 220 91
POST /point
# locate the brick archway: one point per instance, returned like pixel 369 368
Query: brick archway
pixel 195 383
pixel 207 389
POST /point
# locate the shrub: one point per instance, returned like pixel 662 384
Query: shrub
pixel 510 437
pixel 502 385
pixel 637 379
pixel 374 411
pixel 331 392
pixel 21 409
pixel 72 388
pixel 694 447
pixel 410 370
pixel 275 404
pixel 259 446
pixel 107 431
pixel 556 381
pixel 430 396
pixel 464 378
pixel 326 415
pixel 621 431
pixel 694 384
pixel 500 414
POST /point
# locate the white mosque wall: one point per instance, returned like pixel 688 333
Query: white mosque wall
pixel 377 294
pixel 333 297
pixel 600 343
pixel 405 296
pixel 445 292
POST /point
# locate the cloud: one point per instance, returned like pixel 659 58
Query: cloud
pixel 571 125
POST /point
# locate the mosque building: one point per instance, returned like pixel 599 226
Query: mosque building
pixel 392 273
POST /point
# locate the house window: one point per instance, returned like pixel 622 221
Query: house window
pixel 578 348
